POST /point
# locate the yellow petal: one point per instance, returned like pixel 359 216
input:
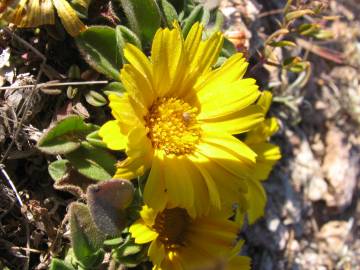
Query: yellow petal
pixel 201 191
pixel 155 192
pixel 178 183
pixel 26 13
pixel 239 263
pixel 226 158
pixel 238 122
pixel 139 151
pixel 207 53
pixel 125 112
pixel 142 233
pixel 256 197
pixel 199 161
pixel 156 252
pixel 69 18
pixel 262 132
pixel 232 70
pixel 167 60
pixel 268 155
pixel 193 40
pixel 234 97
pixel 138 87
pixel 148 215
pixel 112 136
pixel 265 100
pixel 230 144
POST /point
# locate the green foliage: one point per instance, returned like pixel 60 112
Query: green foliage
pixel 86 239
pixel 198 14
pixel 143 17
pixel 107 203
pixel 114 88
pixel 58 169
pixel 81 7
pixel 57 264
pixel 65 136
pixel 125 35
pixel 169 12
pixel 95 140
pixel 99 47
pixel 96 99
pixel 93 162
pixel 129 253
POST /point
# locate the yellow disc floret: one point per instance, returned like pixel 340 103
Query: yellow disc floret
pixel 172 126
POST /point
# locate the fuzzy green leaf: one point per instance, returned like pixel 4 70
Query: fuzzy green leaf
pixel 65 136
pixel 93 162
pixel 114 88
pixel 143 17
pixel 99 47
pixel 169 12
pixel 95 99
pixel 86 239
pixel 57 264
pixel 58 169
pixel 125 35
pixel 95 140
pixel 195 16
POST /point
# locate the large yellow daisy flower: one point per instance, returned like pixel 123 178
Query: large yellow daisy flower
pixel 178 241
pixel 178 118
pixel 33 13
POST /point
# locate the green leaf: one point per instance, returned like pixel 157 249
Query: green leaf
pixel 228 48
pixel 93 162
pixel 57 264
pixel 297 14
pixel 169 12
pixel 114 88
pixel 58 169
pixel 143 17
pixel 98 45
pixel 95 140
pixel 125 35
pixel 282 43
pixel 95 99
pixel 108 202
pixel 114 241
pixel 195 16
pixel 81 7
pixel 65 136
pixel 86 239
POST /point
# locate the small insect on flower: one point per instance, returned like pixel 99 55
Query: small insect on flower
pixel 34 13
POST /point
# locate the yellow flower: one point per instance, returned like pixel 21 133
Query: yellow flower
pixel 178 241
pixel 178 118
pixel 33 13
pixel 267 155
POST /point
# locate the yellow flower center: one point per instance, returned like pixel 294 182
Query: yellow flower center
pixel 171 225
pixel 172 126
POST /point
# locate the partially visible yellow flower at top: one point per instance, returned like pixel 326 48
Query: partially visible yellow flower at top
pixel 180 242
pixel 267 155
pixel 178 118
pixel 34 13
